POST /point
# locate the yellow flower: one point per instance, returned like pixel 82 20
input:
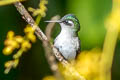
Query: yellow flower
pixel 30 33
pixel 8 42
pixel 8 64
pixel 49 78
pixel 28 29
pixel 18 39
pixel 10 35
pixel 7 50
pixel 87 63
pixel 31 37
pixel 11 43
pixel 26 45
pixel 41 10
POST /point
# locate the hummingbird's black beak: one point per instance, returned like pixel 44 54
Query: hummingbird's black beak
pixel 58 21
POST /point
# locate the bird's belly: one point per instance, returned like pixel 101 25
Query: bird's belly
pixel 67 48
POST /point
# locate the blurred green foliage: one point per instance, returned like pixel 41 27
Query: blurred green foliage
pixel 91 14
pixel 33 65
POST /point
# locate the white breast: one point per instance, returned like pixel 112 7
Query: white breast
pixel 67 44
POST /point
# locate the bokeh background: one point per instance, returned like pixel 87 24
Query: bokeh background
pixel 33 65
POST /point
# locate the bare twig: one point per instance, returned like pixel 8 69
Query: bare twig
pixel 50 57
pixel 50 27
pixel 26 16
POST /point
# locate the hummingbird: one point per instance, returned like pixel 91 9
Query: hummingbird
pixel 67 41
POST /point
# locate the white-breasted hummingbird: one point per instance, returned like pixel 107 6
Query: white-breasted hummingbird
pixel 67 42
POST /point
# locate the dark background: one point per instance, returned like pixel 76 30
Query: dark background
pixel 33 65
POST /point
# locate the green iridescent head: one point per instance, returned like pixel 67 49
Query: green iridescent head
pixel 71 20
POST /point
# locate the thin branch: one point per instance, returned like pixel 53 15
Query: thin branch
pixel 50 27
pixel 26 16
pixel 48 52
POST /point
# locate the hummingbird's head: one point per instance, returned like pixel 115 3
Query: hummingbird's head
pixel 69 21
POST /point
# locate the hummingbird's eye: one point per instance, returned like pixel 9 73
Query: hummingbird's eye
pixel 68 22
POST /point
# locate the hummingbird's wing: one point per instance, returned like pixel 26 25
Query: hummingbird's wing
pixel 79 49
pixel 60 53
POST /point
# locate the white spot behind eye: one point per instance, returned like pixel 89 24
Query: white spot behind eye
pixel 70 22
